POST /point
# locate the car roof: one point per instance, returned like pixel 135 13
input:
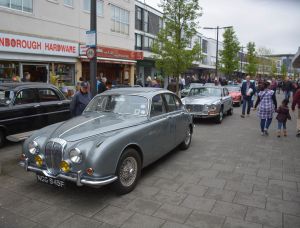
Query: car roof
pixel 17 85
pixel 142 91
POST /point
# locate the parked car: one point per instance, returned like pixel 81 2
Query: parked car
pixel 120 132
pixel 236 95
pixel 186 90
pixel 209 102
pixel 25 107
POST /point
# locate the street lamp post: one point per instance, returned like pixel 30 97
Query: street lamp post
pixel 217 49
pixel 242 55
pixel 93 61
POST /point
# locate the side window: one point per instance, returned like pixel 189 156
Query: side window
pixel 157 106
pixel 47 95
pixel 170 102
pixel 25 96
pixel 226 92
pixel 178 103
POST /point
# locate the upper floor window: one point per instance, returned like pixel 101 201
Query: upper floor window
pixel 87 6
pixel 160 23
pixel 139 13
pixel 204 46
pixel 146 21
pixel 138 41
pixel 68 2
pixel 22 5
pixel 120 20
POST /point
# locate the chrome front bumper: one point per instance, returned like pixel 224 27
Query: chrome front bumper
pixel 203 115
pixel 77 178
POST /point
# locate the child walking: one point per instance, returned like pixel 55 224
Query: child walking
pixel 282 117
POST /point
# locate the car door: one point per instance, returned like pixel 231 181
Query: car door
pixel 227 100
pixel 54 108
pixel 161 137
pixel 24 112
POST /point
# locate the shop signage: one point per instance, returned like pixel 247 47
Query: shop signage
pixel 90 53
pixel 90 38
pixel 34 45
pixel 114 53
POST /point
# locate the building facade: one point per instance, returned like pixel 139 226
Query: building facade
pixel 47 39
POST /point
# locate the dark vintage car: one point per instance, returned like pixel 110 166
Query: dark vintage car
pixel 25 107
pixel 120 132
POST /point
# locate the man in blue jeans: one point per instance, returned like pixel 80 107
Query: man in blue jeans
pixel 248 90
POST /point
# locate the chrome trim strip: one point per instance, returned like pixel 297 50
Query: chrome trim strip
pixel 77 179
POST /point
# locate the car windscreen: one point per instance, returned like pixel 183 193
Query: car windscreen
pixel 119 104
pixel 5 97
pixel 205 91
pixel 233 89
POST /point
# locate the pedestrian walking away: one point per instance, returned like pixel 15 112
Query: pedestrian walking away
pixel 266 100
pixel 296 102
pixel 248 90
pixel 80 100
pixel 287 88
pixel 282 116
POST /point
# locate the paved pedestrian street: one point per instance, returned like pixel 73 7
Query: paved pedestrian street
pixel 231 176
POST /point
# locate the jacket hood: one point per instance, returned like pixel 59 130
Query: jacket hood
pixel 93 123
pixel 200 100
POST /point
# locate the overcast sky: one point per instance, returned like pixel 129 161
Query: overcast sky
pixel 274 24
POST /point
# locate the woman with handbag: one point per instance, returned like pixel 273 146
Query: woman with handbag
pixel 266 100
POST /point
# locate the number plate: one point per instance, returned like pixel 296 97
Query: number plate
pixel 51 181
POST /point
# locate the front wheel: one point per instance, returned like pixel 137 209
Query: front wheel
pixel 2 139
pixel 187 141
pixel 230 111
pixel 128 172
pixel 219 118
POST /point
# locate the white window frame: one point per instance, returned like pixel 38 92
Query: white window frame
pixel 22 7
pixel 99 14
pixel 68 4
pixel 120 20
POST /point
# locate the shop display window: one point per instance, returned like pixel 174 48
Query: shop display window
pixel 9 71
pixel 63 75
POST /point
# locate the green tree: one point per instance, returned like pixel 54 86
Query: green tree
pixel 251 68
pixel 229 59
pixel 264 60
pixel 172 51
pixel 274 68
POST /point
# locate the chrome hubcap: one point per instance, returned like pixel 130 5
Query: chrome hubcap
pixel 188 137
pixel 128 171
pixel 221 115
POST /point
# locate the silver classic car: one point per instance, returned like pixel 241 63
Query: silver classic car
pixel 209 102
pixel 120 132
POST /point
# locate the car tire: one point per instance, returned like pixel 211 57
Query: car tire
pixel 230 111
pixel 2 138
pixel 128 172
pixel 220 117
pixel 187 141
pixel 239 104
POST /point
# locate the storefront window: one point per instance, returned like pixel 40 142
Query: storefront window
pixel 9 71
pixel 63 75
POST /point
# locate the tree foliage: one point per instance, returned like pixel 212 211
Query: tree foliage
pixel 283 70
pixel 172 51
pixel 229 59
pixel 251 68
pixel 264 61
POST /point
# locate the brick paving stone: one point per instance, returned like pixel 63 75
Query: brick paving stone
pixel 229 209
pixel 250 200
pixel 121 201
pixel 175 225
pixel 289 177
pixel 143 221
pixel 187 178
pixel 77 221
pixel 283 184
pixel 230 176
pixel 167 184
pixel 52 217
pixel 113 215
pixel 220 194
pixel 173 213
pixel 203 220
pixel 11 220
pixel 212 182
pixel 235 223
pixel 272 174
pixel 283 206
pixel 265 217
pixel 29 208
pixel 246 170
pixel 144 191
pixel 239 186
pixel 291 195
pixel 222 167
pixel 198 203
pixel 291 221
pixel 207 173
pixel 171 197
pixel 255 180
pixel 144 206
pixel 269 192
pixel 193 189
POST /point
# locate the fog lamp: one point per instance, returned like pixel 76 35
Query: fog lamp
pixel 38 160
pixel 90 171
pixel 65 166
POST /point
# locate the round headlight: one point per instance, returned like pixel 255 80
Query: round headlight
pixel 33 147
pixel 213 107
pixel 75 156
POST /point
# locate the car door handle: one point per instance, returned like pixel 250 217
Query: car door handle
pixel 36 106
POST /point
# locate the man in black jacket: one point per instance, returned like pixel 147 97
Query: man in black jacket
pixel 80 100
pixel 102 85
pixel 248 90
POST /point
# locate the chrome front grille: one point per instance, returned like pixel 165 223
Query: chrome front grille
pixel 195 108
pixel 54 155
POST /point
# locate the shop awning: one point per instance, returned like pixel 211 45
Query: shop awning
pixel 109 60
pixel 296 59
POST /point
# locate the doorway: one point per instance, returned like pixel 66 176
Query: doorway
pixel 38 72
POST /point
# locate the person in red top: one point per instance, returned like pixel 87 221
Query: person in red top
pixel 296 101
